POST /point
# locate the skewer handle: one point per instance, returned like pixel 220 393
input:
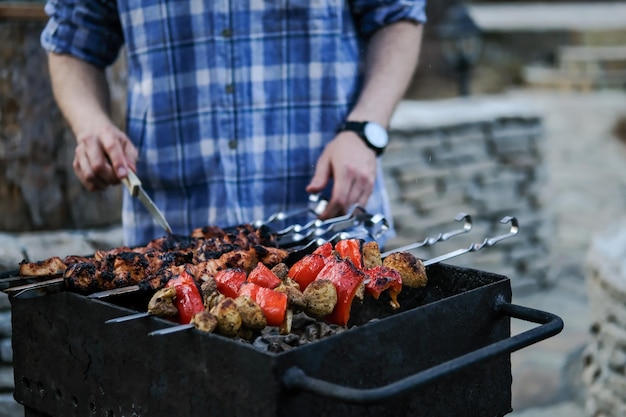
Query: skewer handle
pixel 474 247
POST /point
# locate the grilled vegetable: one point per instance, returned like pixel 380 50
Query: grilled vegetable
pixel 320 297
pixel 325 250
pixel 251 314
pixel 228 318
pixel 204 321
pixel 273 303
pixel 371 255
pixel 306 269
pixel 411 269
pixel 188 300
pixel 228 281
pixel 381 278
pixel 348 280
pixel 264 277
pixel 350 249
pixel 162 303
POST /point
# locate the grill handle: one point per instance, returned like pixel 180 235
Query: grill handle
pixel 296 379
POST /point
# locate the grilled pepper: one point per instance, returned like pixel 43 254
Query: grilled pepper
pixel 188 300
pixel 347 280
pixel 229 281
pixel 350 249
pixel 306 269
pixel 273 303
pixel 264 277
pixel 325 250
pixel 382 278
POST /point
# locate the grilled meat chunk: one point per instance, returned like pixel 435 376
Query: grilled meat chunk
pixel 50 266
pixel 411 269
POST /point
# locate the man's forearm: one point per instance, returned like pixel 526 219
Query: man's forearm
pixel 81 91
pixel 391 59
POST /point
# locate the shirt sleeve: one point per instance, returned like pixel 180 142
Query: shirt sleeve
pixel 87 29
pixel 372 15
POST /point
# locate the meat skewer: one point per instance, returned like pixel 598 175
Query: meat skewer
pixel 487 242
pixel 313 244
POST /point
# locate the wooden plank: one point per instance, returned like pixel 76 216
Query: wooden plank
pixel 22 11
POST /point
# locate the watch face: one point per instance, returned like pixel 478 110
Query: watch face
pixel 376 134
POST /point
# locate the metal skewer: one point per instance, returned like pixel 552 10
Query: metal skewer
pixel 172 329
pixel 429 241
pixel 474 247
pixel 128 318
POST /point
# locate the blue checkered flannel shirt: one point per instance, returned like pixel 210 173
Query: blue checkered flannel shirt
pixel 230 103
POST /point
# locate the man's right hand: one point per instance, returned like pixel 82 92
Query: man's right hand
pixel 104 154
pixel 103 157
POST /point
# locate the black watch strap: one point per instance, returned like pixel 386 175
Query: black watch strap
pixel 359 128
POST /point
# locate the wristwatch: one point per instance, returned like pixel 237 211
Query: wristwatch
pixel 373 134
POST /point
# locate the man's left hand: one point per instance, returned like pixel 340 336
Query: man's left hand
pixel 352 166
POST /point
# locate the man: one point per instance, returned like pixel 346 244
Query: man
pixel 236 109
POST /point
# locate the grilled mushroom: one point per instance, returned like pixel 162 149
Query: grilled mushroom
pixel 162 303
pixel 228 318
pixel 204 321
pixel 411 269
pixel 321 298
pixel 251 314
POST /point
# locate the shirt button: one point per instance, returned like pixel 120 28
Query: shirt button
pixel 232 144
pixel 229 88
pixel 227 33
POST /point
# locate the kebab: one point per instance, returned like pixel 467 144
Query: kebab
pixel 327 293
pixel 320 298
pixel 345 267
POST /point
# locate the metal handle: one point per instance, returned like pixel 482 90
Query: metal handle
pixel 296 379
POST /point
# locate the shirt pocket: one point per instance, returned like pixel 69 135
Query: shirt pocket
pixel 297 16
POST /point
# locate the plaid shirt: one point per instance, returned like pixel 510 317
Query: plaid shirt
pixel 230 103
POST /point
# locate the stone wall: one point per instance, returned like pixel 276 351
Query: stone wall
pixel 481 156
pixel 604 360
pixel 38 188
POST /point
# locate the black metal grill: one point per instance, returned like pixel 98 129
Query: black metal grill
pixel 445 353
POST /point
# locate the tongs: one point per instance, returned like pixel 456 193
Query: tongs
pixel 375 225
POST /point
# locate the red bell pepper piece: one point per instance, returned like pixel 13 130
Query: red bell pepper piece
pixel 350 249
pixel 306 269
pixel 229 281
pixel 188 300
pixel 325 250
pixel 272 303
pixel 264 276
pixel 347 279
pixel 382 278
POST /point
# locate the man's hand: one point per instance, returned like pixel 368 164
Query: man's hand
pixel 103 157
pixel 352 165
pixel 103 152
